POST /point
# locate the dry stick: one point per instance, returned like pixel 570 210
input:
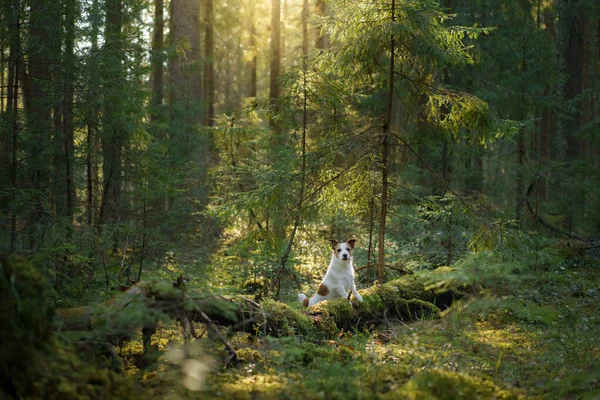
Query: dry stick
pixel 232 354
pixel 210 325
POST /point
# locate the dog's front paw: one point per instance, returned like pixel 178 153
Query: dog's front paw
pixel 358 297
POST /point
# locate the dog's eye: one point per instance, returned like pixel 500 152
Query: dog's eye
pixel 339 250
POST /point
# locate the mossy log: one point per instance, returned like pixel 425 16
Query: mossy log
pixel 404 299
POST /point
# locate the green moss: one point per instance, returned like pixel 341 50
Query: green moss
pixel 339 310
pixel 26 321
pixel 445 385
pixel 419 309
pixel 284 320
pixel 371 300
pixel 34 364
pixel 411 287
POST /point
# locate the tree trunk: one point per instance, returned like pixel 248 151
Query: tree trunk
pixel 42 93
pixel 184 72
pixel 112 138
pixel 275 55
pixel 12 112
pixel 68 119
pixel 92 117
pixel 384 156
pixel 157 59
pixel 322 41
pixel 209 66
pixel 570 49
pixel 254 58
pixel 304 28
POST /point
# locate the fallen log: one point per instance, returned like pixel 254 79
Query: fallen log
pixel 404 299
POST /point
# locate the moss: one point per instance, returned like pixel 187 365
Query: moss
pixel 256 285
pixel 419 309
pixel 339 310
pixel 284 320
pixel 26 321
pixel 442 385
pixel 371 300
pixel 250 355
pixel 34 364
pixel 411 287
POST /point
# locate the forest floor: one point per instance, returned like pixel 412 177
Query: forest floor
pixel 540 342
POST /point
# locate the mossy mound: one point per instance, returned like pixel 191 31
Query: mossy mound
pixel 34 365
pixel 445 385
pixel 26 321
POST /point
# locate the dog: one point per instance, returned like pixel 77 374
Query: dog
pixel 339 279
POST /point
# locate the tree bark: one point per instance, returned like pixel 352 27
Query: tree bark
pixel 209 66
pixel 12 111
pixel 157 59
pixel 184 71
pixel 254 58
pixel 384 156
pixel 570 49
pixel 322 40
pixel 112 138
pixel 275 55
pixel 68 119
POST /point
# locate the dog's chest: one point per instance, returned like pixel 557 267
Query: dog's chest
pixel 339 279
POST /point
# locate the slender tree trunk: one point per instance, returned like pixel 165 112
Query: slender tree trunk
pixel 570 48
pixel 209 66
pixel 300 204
pixel 385 154
pixel 112 137
pixel 68 120
pixel 254 59
pixel 157 59
pixel 275 55
pixel 12 108
pixel 185 76
pixel 2 83
pixel 92 117
pixel 304 27
pixel 322 41
pixel 42 41
pixel 283 33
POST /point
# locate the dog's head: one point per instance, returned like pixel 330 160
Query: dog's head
pixel 342 251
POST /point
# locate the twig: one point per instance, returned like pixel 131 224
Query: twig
pixel 210 326
pixel 213 328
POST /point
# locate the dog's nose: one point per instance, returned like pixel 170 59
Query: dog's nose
pixel 345 256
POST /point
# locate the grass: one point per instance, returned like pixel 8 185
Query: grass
pixel 539 342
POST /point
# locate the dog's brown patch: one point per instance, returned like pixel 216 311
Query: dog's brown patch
pixel 305 302
pixel 323 290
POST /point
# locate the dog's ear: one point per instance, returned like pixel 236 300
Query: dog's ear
pixel 333 243
pixel 351 242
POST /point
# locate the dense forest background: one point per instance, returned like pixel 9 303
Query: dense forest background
pixel 227 141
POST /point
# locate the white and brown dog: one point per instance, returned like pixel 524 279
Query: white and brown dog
pixel 339 279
